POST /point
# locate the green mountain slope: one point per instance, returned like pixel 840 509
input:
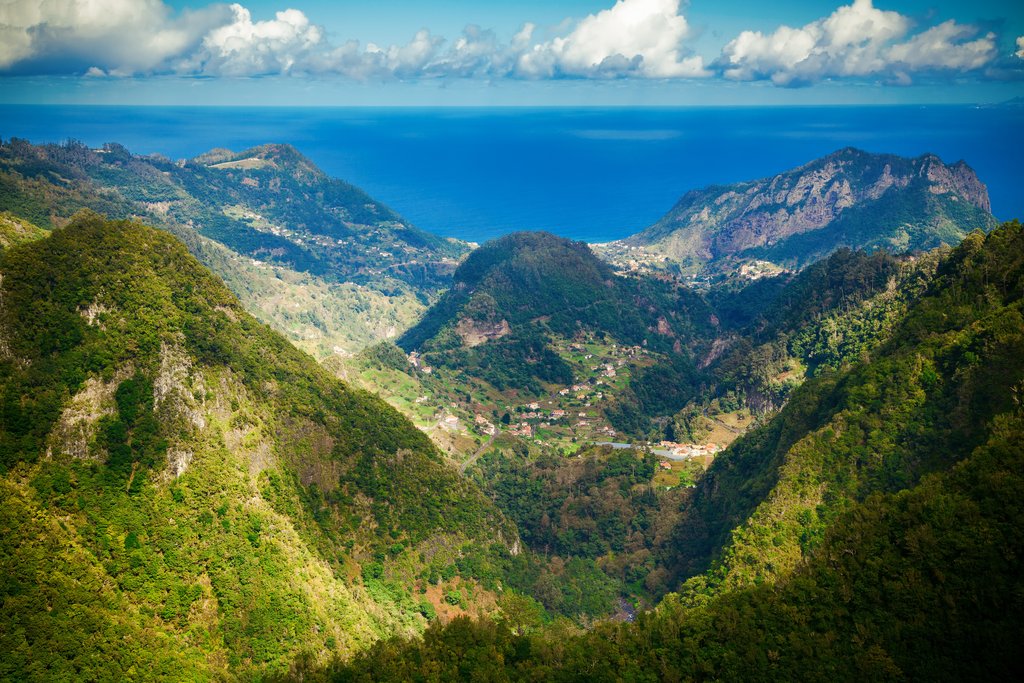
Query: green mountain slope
pixel 849 199
pixel 14 230
pixel 775 334
pixel 313 256
pixel 922 585
pixel 515 294
pixel 870 531
pixel 927 398
pixel 185 494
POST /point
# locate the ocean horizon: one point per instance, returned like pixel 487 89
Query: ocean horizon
pixel 591 174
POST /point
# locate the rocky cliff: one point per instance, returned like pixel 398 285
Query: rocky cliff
pixel 849 198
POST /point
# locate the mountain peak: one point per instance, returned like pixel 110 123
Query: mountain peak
pixel 276 156
pixel 849 198
pixel 848 152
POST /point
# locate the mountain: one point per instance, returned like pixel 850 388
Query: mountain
pixel 638 356
pixel 514 295
pixel 918 403
pixel 183 494
pixel 777 332
pixel 870 530
pixel 315 257
pixel 850 198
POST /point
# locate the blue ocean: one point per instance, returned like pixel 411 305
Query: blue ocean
pixel 587 174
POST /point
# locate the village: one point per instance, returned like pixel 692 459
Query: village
pixel 566 418
pixel 465 418
pixel 567 415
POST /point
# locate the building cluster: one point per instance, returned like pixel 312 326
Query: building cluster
pixel 689 450
pixel 417 362
pixel 485 425
pixel 524 429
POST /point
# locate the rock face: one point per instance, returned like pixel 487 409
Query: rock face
pixel 475 333
pixel 849 198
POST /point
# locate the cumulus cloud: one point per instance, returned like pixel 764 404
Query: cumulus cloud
pixel 634 37
pixel 629 39
pixel 411 59
pixel 1020 47
pixel 478 53
pixel 946 46
pixel 856 40
pixel 243 47
pixel 115 36
pixel 641 38
pixel 847 43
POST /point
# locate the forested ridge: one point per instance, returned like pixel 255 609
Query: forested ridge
pixel 314 256
pixel 877 524
pixel 522 290
pixel 185 494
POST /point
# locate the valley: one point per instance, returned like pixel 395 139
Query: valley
pixel 283 433
pixel 466 418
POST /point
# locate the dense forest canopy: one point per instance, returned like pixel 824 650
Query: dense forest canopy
pixel 190 493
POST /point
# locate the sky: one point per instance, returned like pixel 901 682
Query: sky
pixel 528 52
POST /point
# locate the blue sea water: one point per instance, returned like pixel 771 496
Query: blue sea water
pixel 588 174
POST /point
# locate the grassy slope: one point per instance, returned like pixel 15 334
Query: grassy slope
pixel 225 492
pixel 14 230
pixel 926 398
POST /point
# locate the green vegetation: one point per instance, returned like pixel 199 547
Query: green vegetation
pixel 316 258
pixel 522 307
pixel 827 317
pixel 515 296
pixel 15 231
pixel 849 198
pixel 183 494
pixel 773 335
pixel 924 400
pixel 870 531
pixel 533 316
pixel 187 492
pixel 920 585
pixel 598 504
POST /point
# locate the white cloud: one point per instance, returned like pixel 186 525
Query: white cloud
pixel 118 36
pixel 641 38
pixel 245 47
pixel 1020 47
pixel 478 53
pixel 857 40
pixel 849 42
pixel 946 46
pixel 634 37
pixel 411 59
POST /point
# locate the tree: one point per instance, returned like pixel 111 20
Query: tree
pixel 520 613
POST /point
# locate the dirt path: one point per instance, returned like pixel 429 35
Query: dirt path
pixel 476 456
pixel 728 427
